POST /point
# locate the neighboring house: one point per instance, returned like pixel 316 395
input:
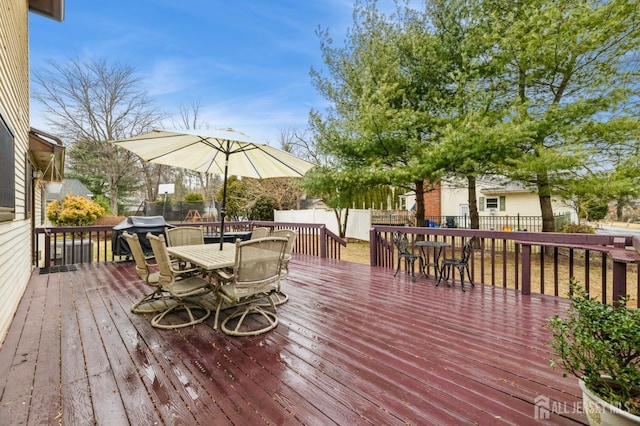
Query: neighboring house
pixel 313 203
pixel 27 156
pixel 69 187
pixel 495 197
pixel 407 201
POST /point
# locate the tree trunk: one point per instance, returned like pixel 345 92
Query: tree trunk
pixel 113 196
pixel 473 204
pixel 338 213
pixel 420 221
pixel 343 226
pixel 544 194
pixel 619 209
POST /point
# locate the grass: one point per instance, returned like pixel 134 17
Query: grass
pixel 356 251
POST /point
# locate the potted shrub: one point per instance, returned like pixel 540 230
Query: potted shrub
pixel 600 345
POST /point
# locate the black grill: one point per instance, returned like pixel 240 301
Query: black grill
pixel 137 225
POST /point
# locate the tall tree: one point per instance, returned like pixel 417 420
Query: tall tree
pixel 383 85
pixel 472 134
pixel 572 68
pixel 90 103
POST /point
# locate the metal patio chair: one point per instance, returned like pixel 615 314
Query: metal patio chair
pixel 183 291
pixel 462 264
pixel 280 297
pixel 260 232
pixel 401 241
pixel 155 301
pixel 184 236
pixel 255 276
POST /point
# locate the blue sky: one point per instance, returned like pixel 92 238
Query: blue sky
pixel 246 61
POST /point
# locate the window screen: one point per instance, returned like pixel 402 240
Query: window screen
pixel 7 173
pixel 492 203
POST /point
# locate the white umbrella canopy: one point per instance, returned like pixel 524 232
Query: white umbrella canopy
pixel 207 154
pixel 222 152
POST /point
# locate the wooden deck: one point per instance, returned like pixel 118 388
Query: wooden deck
pixel 354 346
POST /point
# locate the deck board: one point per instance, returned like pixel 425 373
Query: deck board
pixel 354 346
pixel 46 386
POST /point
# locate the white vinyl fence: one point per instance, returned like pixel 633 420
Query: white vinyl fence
pixel 358 222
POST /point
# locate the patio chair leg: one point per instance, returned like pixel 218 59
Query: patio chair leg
pixel 461 271
pixel 413 270
pixel 397 269
pixel 442 271
pixel 414 277
pixel 152 303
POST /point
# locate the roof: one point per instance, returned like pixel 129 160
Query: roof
pixel 69 187
pixel 53 9
pixel 47 154
pixel 313 203
pixel 495 186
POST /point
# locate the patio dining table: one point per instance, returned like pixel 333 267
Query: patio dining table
pixel 209 257
pixel 424 247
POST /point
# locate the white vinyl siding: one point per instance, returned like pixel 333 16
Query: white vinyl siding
pixel 15 234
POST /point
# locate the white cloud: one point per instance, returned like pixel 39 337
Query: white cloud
pixel 167 76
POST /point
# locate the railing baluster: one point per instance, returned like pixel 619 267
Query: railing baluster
pixel 536 255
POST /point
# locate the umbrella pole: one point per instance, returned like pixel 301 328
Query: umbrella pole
pixel 223 209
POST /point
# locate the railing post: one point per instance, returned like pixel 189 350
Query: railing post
pixel 619 272
pixel 323 241
pixel 373 247
pixel 47 248
pixel 526 269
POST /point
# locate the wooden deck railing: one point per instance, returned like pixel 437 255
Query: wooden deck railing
pixel 605 265
pixel 531 262
pixel 65 245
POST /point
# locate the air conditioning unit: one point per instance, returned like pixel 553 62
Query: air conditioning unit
pixel 73 251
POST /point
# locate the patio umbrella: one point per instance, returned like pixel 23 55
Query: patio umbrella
pixel 222 153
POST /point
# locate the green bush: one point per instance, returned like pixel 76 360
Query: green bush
pixel 598 211
pixel 578 228
pixel 263 209
pixel 593 340
pixel 103 202
pixel 193 197
pixel 74 211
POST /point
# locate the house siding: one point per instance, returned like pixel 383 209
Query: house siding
pixel 15 236
pixel 523 203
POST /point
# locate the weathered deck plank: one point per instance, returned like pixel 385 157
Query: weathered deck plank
pixel 18 361
pixel 354 346
pixel 46 386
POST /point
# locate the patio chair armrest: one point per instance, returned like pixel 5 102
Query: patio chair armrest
pixel 185 271
pixel 223 275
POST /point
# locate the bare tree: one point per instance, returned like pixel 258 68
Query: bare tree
pixel 300 144
pixel 91 103
pixel 189 119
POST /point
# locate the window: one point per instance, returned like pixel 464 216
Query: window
pixel 7 173
pixel 491 203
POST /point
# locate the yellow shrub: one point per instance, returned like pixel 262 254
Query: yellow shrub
pixel 74 211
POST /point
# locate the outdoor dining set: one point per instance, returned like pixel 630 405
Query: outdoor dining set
pixel 442 267
pixel 242 279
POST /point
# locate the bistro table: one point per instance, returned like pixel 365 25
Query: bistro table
pixel 209 257
pixel 437 251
